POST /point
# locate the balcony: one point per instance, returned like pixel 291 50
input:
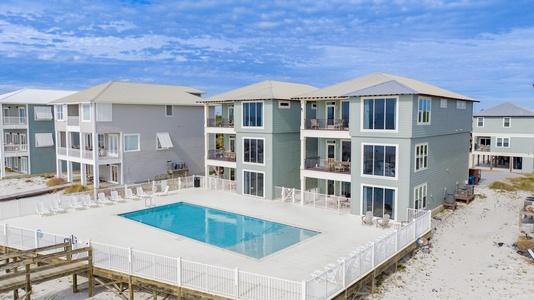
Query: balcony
pixel 15 120
pixel 220 154
pixel 483 148
pixel 87 153
pixel 73 121
pixel 219 122
pixel 327 165
pixel 326 124
pixel 15 147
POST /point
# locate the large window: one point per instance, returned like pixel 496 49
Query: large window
pixel 86 112
pixel 503 142
pixel 253 150
pixel 379 113
pixel 131 142
pixel 421 156
pixel 379 160
pixel 420 193
pixel 506 122
pixel 480 122
pixel 379 200
pixel 59 112
pixel 253 114
pixel 423 111
pixel 253 183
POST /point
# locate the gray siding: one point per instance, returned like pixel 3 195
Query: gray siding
pixel 286 119
pixel 185 128
pixel 443 120
pixel 519 125
pixel 286 160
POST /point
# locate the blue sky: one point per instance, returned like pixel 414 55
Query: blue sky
pixel 482 49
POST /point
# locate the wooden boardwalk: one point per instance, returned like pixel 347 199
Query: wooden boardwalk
pixel 22 269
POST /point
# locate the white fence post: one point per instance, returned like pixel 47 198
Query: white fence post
pixel 179 271
pixel 130 261
pixel 5 235
pixel 293 195
pixel 236 283
pixel 304 291
pixel 36 239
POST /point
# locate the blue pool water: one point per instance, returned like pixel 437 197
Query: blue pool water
pixel 245 235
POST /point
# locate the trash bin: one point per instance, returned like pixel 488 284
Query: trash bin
pixel 197 182
pixel 471 180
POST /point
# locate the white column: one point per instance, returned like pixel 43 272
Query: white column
pixel 206 140
pixel 82 173
pixel 302 149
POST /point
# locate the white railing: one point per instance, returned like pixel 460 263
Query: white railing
pixel 73 121
pixel 15 120
pixel 217 280
pixel 15 147
pixel 313 199
pixel 338 276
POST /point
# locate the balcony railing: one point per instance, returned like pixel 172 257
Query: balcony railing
pixel 73 121
pixel 214 122
pixel 327 165
pixel 15 148
pixel 86 153
pixel 220 154
pixel 327 124
pixel 15 120
pixel 484 148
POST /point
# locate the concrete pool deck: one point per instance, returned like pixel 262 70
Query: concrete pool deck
pixel 341 233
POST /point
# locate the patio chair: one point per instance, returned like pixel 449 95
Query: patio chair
pixel 314 124
pixel 384 222
pixel 130 195
pixel 338 166
pixel 74 205
pixel 165 192
pixel 55 207
pixel 339 125
pixel 88 202
pixel 41 209
pixel 115 197
pixel 103 200
pixel 141 193
pixel 368 218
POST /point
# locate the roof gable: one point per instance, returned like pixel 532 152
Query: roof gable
pixel 506 109
pixel 119 92
pixel 268 89
pixel 381 84
pixel 34 96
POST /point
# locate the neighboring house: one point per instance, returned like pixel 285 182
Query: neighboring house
pixel 126 132
pixel 27 125
pixel 386 142
pixel 503 137
pixel 260 125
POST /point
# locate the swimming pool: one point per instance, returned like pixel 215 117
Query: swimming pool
pixel 252 237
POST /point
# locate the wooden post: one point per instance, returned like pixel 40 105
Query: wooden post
pixel 28 283
pixel 155 294
pixel 510 162
pixel 90 273
pixel 130 285
pixel 491 162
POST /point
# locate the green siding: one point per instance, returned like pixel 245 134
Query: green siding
pixel 286 160
pixel 42 159
pixel 286 119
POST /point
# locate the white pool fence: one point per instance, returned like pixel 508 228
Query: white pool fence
pixel 235 283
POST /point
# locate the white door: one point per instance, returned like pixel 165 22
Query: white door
pixel 22 115
pixel 114 173
pixel 113 142
pixel 24 164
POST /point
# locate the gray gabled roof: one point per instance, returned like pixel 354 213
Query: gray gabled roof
pixel 33 96
pixel 506 109
pixel 120 92
pixel 382 84
pixel 264 90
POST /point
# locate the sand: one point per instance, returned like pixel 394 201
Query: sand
pixel 465 261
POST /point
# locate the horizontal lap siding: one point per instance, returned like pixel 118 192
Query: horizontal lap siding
pixel 42 159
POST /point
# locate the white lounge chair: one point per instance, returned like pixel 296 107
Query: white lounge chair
pixel 141 193
pixel 88 202
pixel 165 192
pixel 130 195
pixel 384 222
pixel 42 210
pixel 74 205
pixel 55 207
pixel 368 218
pixel 115 197
pixel 103 200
